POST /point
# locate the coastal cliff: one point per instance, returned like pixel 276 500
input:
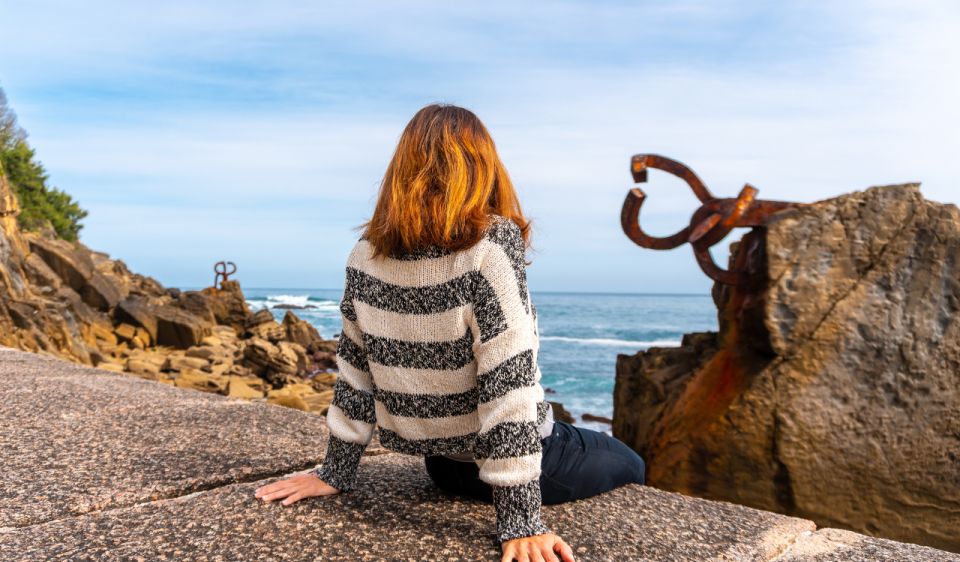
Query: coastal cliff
pixel 832 390
pixel 61 298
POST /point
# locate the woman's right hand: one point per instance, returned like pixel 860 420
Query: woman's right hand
pixel 538 548
pixel 295 488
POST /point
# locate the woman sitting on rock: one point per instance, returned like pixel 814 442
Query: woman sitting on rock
pixel 439 346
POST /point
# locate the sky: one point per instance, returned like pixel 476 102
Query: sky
pixel 195 132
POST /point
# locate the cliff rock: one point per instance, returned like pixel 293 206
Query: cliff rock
pixel 63 299
pixel 832 390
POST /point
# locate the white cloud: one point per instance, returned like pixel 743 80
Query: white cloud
pixel 272 109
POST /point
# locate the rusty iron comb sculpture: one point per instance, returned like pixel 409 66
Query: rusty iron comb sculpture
pixel 710 223
pixel 221 270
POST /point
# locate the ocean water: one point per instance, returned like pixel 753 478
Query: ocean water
pixel 580 334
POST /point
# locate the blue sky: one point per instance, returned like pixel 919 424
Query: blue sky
pixel 258 132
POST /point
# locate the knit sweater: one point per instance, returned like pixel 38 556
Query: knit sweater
pixel 439 351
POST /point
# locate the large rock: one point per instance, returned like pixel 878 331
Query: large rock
pixel 263 325
pixel 832 391
pixel 198 304
pixel 73 264
pixel 165 324
pixel 304 333
pixel 178 328
pixel 228 305
pixel 275 364
pixel 73 267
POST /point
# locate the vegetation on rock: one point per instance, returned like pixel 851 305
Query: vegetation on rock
pixel 40 203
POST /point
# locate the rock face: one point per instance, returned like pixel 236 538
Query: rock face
pixel 832 391
pixel 63 299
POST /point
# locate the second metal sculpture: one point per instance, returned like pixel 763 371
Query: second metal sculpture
pixel 223 270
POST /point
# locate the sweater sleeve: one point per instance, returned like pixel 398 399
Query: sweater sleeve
pixel 508 449
pixel 351 417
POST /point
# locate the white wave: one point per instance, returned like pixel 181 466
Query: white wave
pixel 326 305
pixel 613 341
pixel 292 300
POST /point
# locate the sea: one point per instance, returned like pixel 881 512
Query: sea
pixel 580 335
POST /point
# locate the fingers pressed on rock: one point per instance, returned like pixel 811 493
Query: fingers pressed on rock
pixel 295 497
pixel 279 494
pixel 276 486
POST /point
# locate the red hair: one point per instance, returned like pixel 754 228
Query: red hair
pixel 442 185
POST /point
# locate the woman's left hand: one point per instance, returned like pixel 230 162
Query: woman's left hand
pixel 295 488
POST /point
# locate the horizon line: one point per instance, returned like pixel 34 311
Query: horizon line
pixel 195 287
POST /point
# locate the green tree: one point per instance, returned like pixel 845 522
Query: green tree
pixel 39 202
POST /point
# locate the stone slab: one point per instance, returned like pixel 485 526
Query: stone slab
pixel 838 545
pixel 77 439
pixel 396 513
pixel 103 466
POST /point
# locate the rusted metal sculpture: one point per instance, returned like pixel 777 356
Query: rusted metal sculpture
pixel 220 268
pixel 710 223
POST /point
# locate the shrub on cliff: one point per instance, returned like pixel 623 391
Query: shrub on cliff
pixel 39 202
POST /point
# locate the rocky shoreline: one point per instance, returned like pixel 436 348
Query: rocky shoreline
pixel 63 299
pixel 66 300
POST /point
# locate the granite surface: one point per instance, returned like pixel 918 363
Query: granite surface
pixel 102 466
pixel 77 439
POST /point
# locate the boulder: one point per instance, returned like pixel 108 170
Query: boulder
pixel 165 324
pixel 201 380
pixel 561 414
pixel 264 326
pixel 179 363
pixel 40 275
pixel 302 332
pixel 273 363
pixel 206 353
pixel 137 311
pixel 587 416
pixel 287 399
pixel 323 381
pixel 271 331
pixel 196 303
pixel 832 390
pixel 73 267
pixel 298 353
pixel 228 305
pixel 179 328
pixel 142 367
pixel 101 292
pixel 72 263
pixel 325 360
pixel 247 387
pixel 125 331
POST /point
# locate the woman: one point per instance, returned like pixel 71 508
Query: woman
pixel 439 346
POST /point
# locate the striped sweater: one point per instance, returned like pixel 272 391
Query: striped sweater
pixel 439 351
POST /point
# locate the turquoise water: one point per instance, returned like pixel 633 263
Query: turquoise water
pixel 580 334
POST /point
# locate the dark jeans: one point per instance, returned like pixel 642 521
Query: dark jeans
pixel 577 463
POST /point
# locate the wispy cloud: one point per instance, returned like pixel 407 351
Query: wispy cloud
pixel 260 132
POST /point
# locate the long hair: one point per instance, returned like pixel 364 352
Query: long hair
pixel 442 185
